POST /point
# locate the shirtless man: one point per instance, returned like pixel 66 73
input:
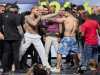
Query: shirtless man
pixel 31 35
pixel 68 42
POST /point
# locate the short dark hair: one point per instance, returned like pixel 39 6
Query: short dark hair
pixel 8 4
pixel 34 7
pixel 14 6
pixel 93 63
pixel 39 71
pixel 2 6
pixel 80 7
pixel 86 14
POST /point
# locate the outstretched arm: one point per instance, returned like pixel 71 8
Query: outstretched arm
pixel 59 20
pixel 49 16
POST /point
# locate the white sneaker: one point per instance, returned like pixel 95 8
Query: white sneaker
pixel 13 68
pixel 55 70
pixel 83 68
pixel 1 70
pixel 48 66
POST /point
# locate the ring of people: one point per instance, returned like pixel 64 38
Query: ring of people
pixel 27 38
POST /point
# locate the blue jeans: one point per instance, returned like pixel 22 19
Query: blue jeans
pixel 89 52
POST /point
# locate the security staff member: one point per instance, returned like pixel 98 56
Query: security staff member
pixel 12 37
pixel 2 9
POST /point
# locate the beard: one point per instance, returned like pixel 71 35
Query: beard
pixel 36 16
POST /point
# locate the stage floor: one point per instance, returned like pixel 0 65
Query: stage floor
pixel 65 70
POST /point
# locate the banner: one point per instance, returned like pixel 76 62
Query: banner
pixel 57 4
pixel 19 1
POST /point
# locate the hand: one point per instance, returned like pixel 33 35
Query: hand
pixel 1 36
pixel 44 38
pixel 59 40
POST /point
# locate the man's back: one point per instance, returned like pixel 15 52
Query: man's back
pixel 90 31
pixel 71 25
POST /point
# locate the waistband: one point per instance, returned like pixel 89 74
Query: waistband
pixel 30 35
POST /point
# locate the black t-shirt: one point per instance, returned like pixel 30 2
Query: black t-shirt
pixel 81 20
pixel 78 37
pixel 10 23
pixel 1 15
pixel 95 17
pixel 98 18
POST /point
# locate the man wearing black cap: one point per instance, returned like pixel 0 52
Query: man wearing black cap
pixel 12 37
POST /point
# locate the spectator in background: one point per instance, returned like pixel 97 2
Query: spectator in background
pixel 89 33
pixel 52 34
pixel 96 16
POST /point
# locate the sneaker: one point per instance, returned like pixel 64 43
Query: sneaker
pixel 48 66
pixel 13 68
pixel 56 70
pixel 1 69
pixel 84 68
